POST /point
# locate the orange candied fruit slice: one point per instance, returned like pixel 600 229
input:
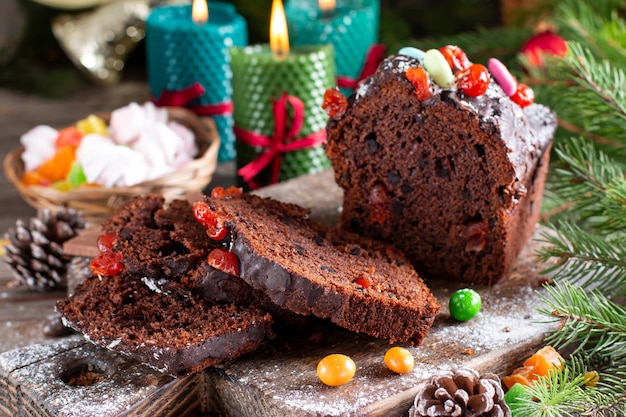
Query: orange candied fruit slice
pixel 34 178
pixel 524 376
pixel 544 360
pixel 57 167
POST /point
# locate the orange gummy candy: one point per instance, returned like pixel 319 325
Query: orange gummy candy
pixel 57 167
pixel 544 360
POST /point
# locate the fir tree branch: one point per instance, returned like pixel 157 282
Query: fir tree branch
pixel 591 184
pixel 586 260
pixel 588 322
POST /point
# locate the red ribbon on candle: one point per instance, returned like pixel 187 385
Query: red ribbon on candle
pixel 374 57
pixel 280 142
pixel 180 98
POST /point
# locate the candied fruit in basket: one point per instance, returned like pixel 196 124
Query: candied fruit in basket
pixel 57 167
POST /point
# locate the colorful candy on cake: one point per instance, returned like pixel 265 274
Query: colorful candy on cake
pixel 443 158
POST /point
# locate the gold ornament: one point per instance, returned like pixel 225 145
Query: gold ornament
pixel 99 41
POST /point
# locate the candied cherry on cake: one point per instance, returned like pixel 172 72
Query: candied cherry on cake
pixel 224 261
pixel 106 242
pixel 212 221
pixel 473 80
pixel 107 264
pixel 334 103
pixel 420 80
pixel 232 191
pixel 456 57
pixel 523 96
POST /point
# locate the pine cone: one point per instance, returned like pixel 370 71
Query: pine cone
pixel 35 251
pixel 462 393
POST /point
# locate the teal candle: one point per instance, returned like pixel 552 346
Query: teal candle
pixel 181 53
pixel 352 28
pixel 287 91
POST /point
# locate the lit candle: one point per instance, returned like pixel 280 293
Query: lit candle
pixel 278 94
pixel 351 26
pixel 188 61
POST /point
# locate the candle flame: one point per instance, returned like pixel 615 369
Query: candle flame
pixel 327 6
pixel 279 37
pixel 199 11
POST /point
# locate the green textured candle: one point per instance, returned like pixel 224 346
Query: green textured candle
pixel 278 113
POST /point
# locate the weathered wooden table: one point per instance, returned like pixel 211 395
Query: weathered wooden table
pixel 37 372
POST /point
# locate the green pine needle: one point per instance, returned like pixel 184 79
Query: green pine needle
pixel 588 322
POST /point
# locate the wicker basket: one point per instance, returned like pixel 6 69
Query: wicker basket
pixel 98 202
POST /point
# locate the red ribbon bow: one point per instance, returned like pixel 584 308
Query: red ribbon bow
pixel 281 141
pixel 180 98
pixel 372 60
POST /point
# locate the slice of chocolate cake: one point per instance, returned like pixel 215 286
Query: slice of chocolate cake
pixel 172 330
pixel 454 181
pixel 358 283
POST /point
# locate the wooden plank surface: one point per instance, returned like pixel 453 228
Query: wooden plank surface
pixel 280 379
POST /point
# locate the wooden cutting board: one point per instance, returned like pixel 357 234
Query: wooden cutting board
pixel 280 379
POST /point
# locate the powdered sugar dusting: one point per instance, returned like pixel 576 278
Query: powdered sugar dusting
pixel 44 371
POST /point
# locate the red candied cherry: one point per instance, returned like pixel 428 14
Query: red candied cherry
pixel 212 222
pixel 456 57
pixel 474 80
pixel 224 261
pixel 336 369
pixel 465 304
pixel 106 242
pixel 335 104
pixel 379 204
pixel 524 95
pixel 363 281
pixel 107 264
pixel 420 80
pixel 232 191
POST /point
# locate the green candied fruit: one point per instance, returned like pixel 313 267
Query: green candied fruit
pixel 514 399
pixel 465 304
pixel 76 177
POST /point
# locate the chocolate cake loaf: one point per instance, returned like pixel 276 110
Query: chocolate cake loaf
pixel 356 282
pixel 174 331
pixel 454 181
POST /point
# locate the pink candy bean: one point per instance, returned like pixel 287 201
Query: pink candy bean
pixel 502 76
